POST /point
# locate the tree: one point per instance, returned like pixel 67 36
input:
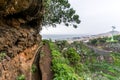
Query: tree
pixel 59 11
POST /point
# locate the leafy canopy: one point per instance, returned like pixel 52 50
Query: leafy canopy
pixel 59 11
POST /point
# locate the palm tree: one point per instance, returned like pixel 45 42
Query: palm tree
pixel 113 28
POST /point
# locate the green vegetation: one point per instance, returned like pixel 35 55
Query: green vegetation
pixel 62 44
pixel 98 41
pixel 33 68
pixel 117 37
pixel 104 40
pixel 78 62
pixel 60 66
pixel 112 41
pixel 72 56
pixel 106 43
pixel 21 77
pixel 2 55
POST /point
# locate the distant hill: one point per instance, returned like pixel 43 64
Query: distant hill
pixel 111 32
pixel 107 34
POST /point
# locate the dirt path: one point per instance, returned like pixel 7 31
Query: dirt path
pixel 45 63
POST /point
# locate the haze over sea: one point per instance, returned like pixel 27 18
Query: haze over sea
pixel 61 36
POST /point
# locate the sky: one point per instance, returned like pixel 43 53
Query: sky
pixel 97 16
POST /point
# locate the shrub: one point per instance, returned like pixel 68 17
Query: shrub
pixel 72 56
pixel 62 71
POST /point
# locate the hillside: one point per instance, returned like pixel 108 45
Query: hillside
pixel 77 61
pixel 108 34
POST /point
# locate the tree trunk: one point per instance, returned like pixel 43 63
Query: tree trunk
pixel 19 28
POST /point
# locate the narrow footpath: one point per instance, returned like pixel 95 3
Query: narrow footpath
pixel 45 63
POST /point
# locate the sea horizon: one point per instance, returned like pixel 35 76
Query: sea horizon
pixel 61 36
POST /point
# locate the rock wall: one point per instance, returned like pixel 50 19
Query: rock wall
pixel 21 64
pixel 13 40
pixel 19 25
pixel 19 37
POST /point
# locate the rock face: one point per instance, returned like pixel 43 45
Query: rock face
pixel 19 30
pixel 19 25
pixel 21 64
pixel 13 41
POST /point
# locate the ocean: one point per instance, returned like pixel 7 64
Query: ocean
pixel 61 37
